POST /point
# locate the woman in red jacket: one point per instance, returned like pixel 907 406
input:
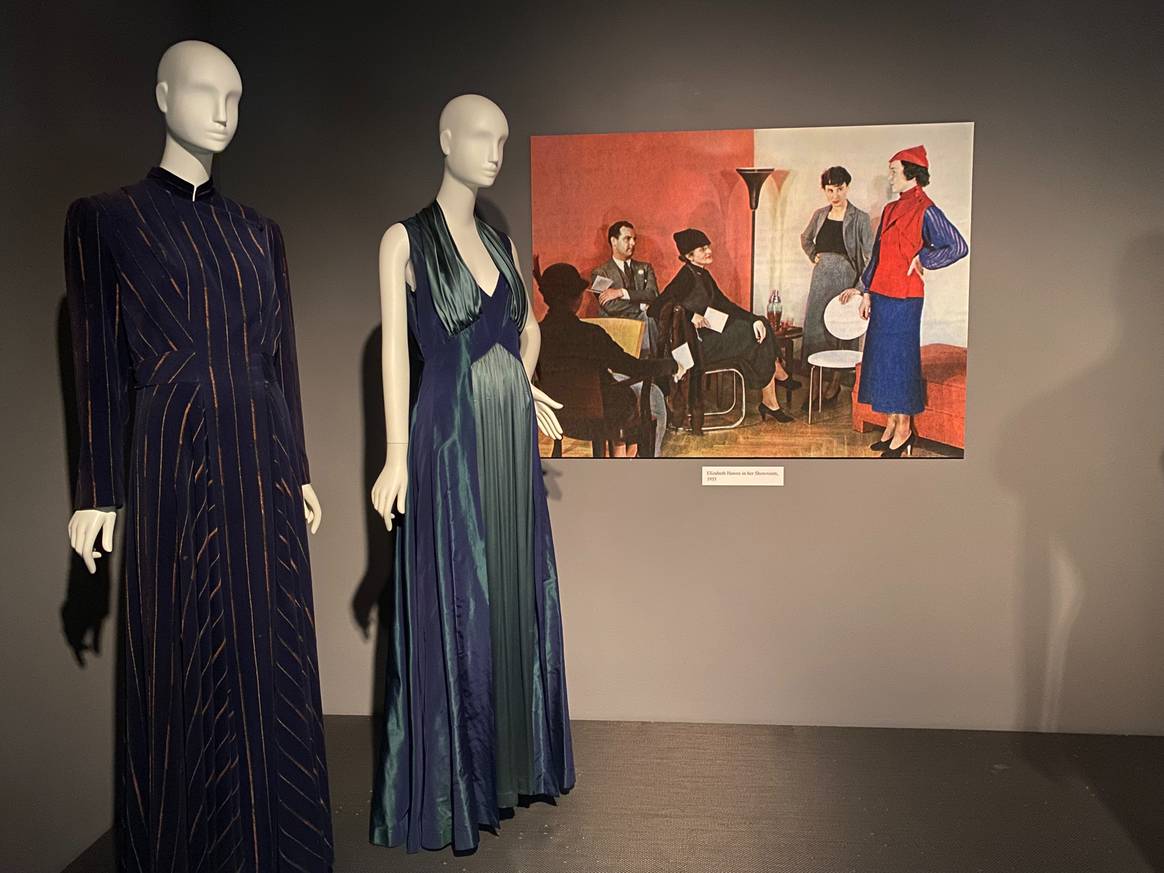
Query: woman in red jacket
pixel 914 236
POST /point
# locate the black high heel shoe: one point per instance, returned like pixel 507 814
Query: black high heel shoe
pixel 880 445
pixel 779 414
pixel 906 446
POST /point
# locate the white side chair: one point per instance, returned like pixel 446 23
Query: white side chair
pixel 844 321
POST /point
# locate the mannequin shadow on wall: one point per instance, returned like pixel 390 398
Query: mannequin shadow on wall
pixel 86 606
pixel 1090 604
pixel 374 591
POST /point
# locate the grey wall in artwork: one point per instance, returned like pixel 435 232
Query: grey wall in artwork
pixel 1019 588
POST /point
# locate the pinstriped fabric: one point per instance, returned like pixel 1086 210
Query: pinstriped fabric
pixel 184 343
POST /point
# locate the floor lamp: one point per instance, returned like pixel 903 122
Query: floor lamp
pixel 754 178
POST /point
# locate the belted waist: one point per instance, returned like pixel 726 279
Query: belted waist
pixel 485 336
pixel 190 367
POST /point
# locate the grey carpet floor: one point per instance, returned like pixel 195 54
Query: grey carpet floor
pixel 727 798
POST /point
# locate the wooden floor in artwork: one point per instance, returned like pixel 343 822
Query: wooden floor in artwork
pixel 830 435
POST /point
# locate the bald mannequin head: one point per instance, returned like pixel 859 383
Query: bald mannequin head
pixel 473 131
pixel 198 91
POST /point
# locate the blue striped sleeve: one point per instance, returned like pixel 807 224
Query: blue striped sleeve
pixel 871 267
pixel 943 245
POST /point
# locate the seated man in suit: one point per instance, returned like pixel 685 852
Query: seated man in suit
pixel 569 341
pixel 633 284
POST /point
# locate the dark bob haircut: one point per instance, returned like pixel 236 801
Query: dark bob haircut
pixel 916 171
pixel 835 176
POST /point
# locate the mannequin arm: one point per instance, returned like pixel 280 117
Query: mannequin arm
pixel 83 529
pixel 391 486
pixel 312 511
pixel 531 346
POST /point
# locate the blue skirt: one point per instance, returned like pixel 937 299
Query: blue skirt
pixel 891 377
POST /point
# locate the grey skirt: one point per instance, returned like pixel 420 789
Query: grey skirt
pixel 831 275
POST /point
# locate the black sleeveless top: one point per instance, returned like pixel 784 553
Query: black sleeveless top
pixel 830 237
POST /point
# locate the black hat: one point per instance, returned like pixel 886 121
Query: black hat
pixel 689 240
pixel 560 282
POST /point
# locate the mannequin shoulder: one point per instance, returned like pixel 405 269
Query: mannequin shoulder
pixel 395 255
pixel 394 245
pixel 104 205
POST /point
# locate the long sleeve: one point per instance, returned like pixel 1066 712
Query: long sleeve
pixel 675 292
pixel 864 245
pixel 725 304
pixel 100 357
pixel 943 244
pixel 871 266
pixel 808 237
pixel 286 362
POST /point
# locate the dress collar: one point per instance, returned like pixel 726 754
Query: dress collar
pixel 914 193
pixel 179 186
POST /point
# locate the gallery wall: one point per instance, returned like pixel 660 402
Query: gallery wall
pixel 1016 589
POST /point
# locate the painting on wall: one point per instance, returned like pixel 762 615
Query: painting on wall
pixel 763 293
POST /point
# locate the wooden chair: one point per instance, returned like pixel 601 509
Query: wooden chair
pixel 676 328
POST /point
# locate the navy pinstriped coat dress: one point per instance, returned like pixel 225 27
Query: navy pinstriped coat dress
pixel 189 413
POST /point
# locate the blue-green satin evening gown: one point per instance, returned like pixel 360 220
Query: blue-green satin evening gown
pixel 476 709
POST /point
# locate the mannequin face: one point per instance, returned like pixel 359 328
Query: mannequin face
pixel 473 135
pixel 198 90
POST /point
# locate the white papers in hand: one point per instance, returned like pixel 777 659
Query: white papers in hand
pixel 683 356
pixel 716 320
pixel 600 284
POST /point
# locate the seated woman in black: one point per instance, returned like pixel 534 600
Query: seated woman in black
pixel 745 338
pixel 572 344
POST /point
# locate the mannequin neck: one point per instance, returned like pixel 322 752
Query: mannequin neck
pixel 457 200
pixel 178 159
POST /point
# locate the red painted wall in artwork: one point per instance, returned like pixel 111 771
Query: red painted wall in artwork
pixel 660 182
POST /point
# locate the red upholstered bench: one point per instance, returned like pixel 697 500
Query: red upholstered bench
pixel 944 418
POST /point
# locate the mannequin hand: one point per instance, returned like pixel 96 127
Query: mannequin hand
pixel 759 329
pixel 866 306
pixel 83 529
pixel 311 508
pixel 915 267
pixel 544 407
pixel 848 294
pixel 390 490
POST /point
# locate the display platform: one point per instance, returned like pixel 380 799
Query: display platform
pixel 656 797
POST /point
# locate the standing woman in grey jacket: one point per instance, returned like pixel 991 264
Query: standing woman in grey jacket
pixel 838 240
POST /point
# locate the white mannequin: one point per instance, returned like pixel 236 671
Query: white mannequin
pixel 198 91
pixel 473 131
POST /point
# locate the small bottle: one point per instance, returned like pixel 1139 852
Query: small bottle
pixel 775 310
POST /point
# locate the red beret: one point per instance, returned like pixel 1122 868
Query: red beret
pixel 915 155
